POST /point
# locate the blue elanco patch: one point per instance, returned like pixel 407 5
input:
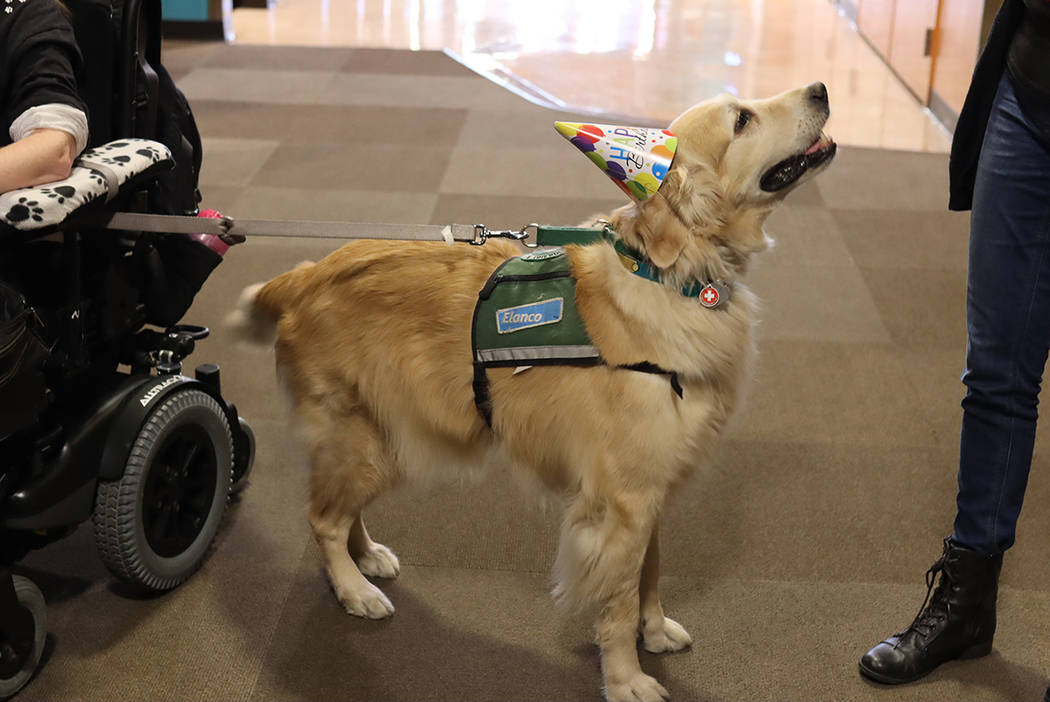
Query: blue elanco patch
pixel 512 319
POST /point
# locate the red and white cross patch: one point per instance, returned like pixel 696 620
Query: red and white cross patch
pixel 709 296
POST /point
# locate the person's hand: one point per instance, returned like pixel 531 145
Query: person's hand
pixel 44 156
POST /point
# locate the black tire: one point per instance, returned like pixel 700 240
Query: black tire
pixel 27 652
pixel 155 525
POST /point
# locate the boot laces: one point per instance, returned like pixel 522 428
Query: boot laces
pixel 929 617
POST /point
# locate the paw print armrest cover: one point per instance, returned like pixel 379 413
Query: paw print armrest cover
pixel 98 175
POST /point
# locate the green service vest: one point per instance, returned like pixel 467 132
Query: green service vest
pixel 526 316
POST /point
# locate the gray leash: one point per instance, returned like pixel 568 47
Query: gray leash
pixel 237 230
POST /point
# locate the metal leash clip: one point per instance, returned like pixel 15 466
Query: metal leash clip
pixel 483 234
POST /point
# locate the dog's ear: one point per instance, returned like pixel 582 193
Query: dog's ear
pixel 686 202
pixel 662 232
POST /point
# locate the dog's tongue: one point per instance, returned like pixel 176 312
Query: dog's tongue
pixel 822 141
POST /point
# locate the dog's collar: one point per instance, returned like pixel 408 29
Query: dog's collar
pixel 710 294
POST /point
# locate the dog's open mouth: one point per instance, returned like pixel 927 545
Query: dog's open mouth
pixel 792 168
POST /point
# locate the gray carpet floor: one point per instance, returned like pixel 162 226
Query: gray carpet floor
pixel 801 546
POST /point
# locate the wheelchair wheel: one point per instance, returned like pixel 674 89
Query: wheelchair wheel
pixel 19 659
pixel 154 526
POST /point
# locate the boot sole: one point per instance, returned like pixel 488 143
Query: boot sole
pixel 976 651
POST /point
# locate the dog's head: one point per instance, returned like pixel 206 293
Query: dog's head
pixel 736 160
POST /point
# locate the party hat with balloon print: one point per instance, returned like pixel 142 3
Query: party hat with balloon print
pixel 636 158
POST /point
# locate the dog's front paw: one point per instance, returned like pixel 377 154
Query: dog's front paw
pixel 379 562
pixel 665 637
pixel 640 688
pixel 368 602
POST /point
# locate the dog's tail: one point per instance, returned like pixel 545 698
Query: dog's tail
pixel 261 305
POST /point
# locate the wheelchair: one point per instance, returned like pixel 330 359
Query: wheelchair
pixel 97 420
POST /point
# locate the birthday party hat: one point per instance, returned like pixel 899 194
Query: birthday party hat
pixel 636 158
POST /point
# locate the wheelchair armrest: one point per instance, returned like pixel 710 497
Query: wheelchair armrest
pixel 99 174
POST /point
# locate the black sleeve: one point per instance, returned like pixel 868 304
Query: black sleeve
pixel 41 59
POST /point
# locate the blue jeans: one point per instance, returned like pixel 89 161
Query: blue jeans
pixel 1008 321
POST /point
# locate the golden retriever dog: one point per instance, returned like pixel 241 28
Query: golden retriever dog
pixel 383 393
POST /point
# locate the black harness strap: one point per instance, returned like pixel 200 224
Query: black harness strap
pixel 646 367
pixel 482 399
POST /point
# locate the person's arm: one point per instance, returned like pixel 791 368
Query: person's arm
pixel 44 156
pixel 45 117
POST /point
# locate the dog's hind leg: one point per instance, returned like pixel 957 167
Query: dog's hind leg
pixel 349 470
pixel 599 563
pixel 355 593
pixel 659 633
pixel 372 558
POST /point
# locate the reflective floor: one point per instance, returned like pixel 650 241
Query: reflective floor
pixel 648 59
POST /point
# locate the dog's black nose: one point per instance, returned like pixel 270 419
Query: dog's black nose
pixel 818 92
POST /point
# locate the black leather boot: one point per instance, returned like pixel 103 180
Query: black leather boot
pixel 958 621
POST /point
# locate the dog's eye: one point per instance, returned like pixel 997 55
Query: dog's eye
pixel 742 120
